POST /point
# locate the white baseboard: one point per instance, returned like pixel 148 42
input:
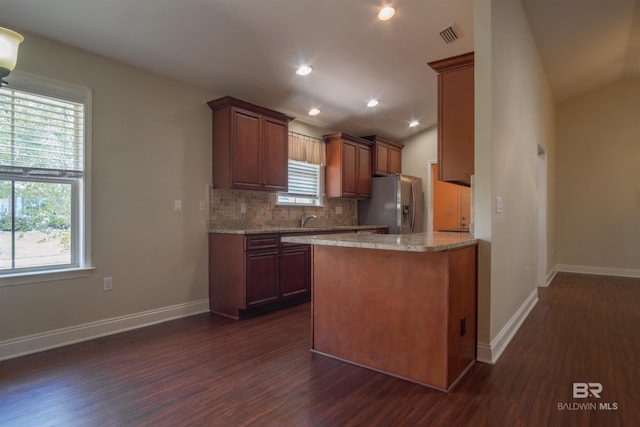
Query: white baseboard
pixel 490 353
pixel 57 338
pixel 601 271
pixel 550 276
pixel 484 353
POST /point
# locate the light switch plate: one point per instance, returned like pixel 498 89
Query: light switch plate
pixel 498 204
pixel 177 205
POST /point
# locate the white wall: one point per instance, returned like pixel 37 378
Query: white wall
pixel 151 146
pixel 514 113
pixel 599 181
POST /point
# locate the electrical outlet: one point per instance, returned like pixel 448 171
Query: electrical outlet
pixel 243 208
pixel 498 204
pixel 107 284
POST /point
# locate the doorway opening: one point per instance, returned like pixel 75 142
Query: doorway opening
pixel 451 204
pixel 541 172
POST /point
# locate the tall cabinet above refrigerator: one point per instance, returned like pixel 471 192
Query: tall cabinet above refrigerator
pixel 396 201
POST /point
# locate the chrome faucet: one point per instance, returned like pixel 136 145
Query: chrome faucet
pixel 304 220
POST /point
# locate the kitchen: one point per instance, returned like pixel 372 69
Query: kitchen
pixel 161 270
pixel 253 268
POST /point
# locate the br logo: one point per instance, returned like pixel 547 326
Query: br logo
pixel 585 390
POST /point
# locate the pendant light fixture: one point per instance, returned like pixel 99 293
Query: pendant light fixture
pixel 9 41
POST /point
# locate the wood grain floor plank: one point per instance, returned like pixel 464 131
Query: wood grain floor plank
pixel 206 370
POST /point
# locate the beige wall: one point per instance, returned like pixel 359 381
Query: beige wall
pixel 514 113
pixel 599 179
pixel 419 151
pixel 151 146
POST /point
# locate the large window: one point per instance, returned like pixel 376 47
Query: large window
pixel 304 185
pixel 43 178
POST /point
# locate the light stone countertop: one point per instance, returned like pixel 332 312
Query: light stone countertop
pixel 285 229
pixel 417 242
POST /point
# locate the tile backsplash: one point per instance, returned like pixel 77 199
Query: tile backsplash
pixel 243 208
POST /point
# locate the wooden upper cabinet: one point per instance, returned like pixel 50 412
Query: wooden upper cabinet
pixel 246 158
pixel 276 148
pixel 455 118
pixel 348 171
pixel 250 146
pixel 386 156
pixel 363 172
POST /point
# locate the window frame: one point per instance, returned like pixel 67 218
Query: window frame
pixel 81 200
pixel 317 199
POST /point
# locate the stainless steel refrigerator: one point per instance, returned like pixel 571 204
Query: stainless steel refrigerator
pixel 396 201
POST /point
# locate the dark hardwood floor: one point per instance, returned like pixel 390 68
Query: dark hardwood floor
pixel 209 371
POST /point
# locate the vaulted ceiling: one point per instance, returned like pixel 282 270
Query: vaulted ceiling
pixel 585 44
pixel 250 49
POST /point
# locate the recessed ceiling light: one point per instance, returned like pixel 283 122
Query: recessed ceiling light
pixel 314 111
pixel 303 70
pixel 386 13
pixel 372 103
pixel 414 123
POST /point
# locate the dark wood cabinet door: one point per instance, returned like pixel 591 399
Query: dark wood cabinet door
pixel 262 277
pixel 295 265
pixel 381 160
pixel 395 160
pixel 363 171
pixel 246 149
pixel 456 121
pixel 349 170
pixel 276 154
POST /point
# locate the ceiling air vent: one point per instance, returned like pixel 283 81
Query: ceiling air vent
pixel 448 34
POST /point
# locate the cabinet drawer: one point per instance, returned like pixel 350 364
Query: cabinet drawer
pixel 262 241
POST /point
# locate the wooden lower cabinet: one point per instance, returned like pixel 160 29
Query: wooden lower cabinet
pixel 408 314
pixel 295 271
pixel 253 274
pixel 262 277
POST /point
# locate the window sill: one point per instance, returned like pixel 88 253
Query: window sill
pixel 44 276
pixel 301 205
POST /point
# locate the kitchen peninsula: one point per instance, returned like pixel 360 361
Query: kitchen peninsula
pixel 404 305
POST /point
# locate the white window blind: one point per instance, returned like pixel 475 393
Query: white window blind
pixel 40 136
pixel 304 184
pixel 303 178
